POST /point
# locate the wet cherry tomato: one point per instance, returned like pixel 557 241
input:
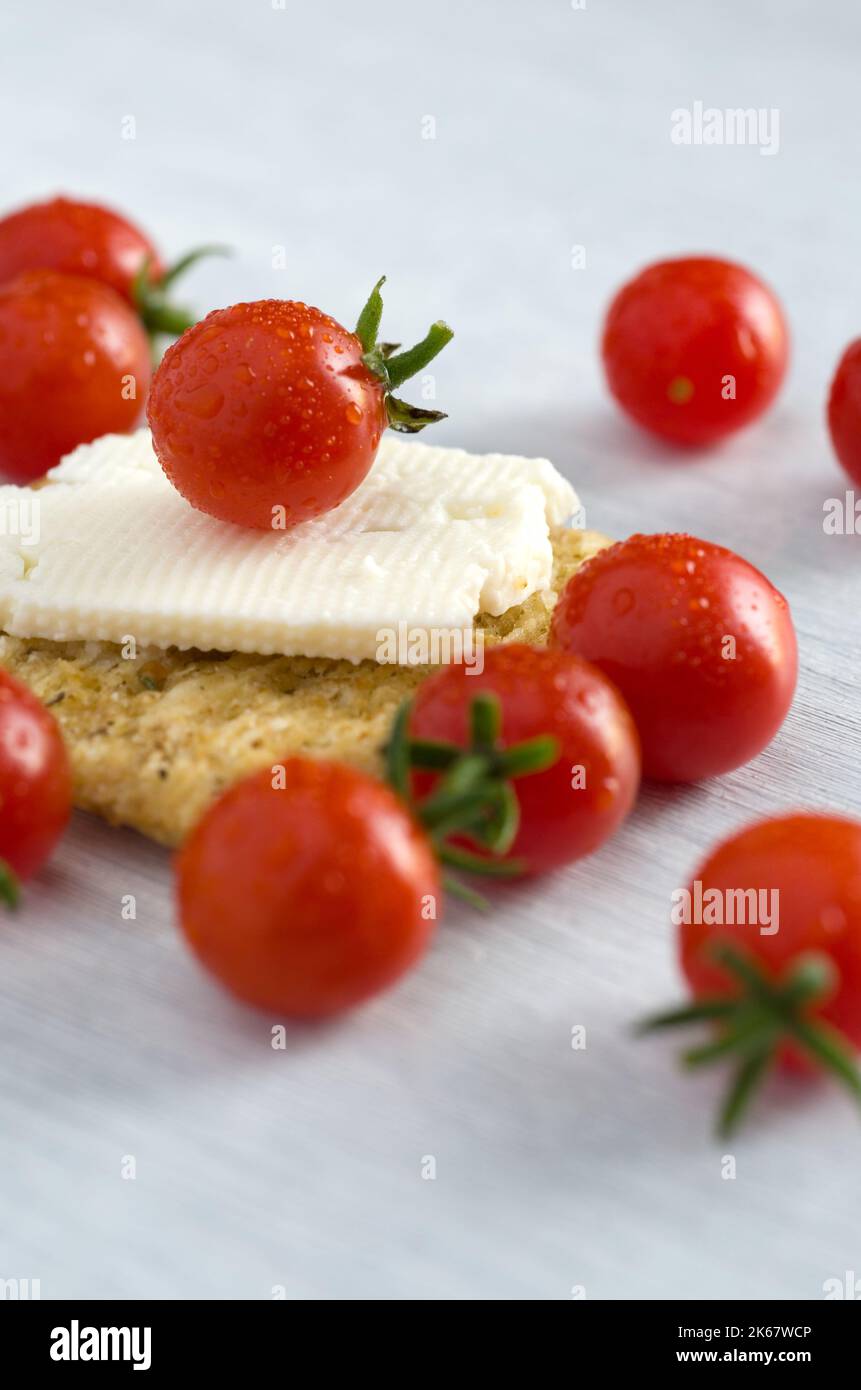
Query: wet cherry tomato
pixel 268 414
pixel 695 348
pixel 266 406
pixel 700 644
pixel 572 806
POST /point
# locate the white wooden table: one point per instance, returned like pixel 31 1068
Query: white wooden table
pixel 556 1169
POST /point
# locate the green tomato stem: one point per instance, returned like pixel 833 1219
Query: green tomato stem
pixel 10 886
pixel 758 1019
pixel 392 368
pixel 474 794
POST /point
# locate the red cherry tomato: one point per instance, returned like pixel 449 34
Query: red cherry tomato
pixel 700 644
pixel 573 806
pixel 695 348
pixel 807 868
pixel 35 780
pixel 266 406
pixel 307 898
pixel 74 364
pixel 77 239
pixel 770 942
pixel 844 411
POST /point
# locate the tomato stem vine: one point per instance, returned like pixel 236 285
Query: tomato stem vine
pixel 10 887
pixel 764 1014
pixel 393 368
pixel 158 313
pixel 474 794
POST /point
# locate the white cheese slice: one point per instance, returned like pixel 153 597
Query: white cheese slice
pixel 431 538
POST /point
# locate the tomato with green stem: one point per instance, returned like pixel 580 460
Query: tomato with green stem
pixel 548 719
pixel 93 241
pixel 269 414
pixel 772 953
pixel 35 785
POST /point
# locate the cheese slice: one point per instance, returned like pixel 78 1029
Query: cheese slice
pixel 431 538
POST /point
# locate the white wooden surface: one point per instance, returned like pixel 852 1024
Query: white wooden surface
pixel 555 1168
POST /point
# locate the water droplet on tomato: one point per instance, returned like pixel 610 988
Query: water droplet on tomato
pixel 746 342
pixel 353 414
pixel 204 402
pixel 623 601
pixel 607 792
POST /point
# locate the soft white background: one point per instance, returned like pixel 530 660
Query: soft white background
pixel 302 127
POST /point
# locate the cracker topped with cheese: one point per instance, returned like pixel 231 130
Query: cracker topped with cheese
pixel 179 652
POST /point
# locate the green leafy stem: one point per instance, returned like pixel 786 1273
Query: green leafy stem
pixel 10 888
pixel 762 1016
pixel 393 368
pixel 473 794
pixel 151 296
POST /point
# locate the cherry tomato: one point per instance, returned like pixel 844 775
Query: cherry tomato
pixel 844 411
pixel 700 644
pixel 269 414
pixel 571 807
pixel 35 780
pixel 808 869
pixel 78 239
pixel 695 348
pixel 770 942
pixel 308 897
pixel 266 406
pixel 74 364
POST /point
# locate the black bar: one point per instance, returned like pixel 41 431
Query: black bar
pixel 165 1338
